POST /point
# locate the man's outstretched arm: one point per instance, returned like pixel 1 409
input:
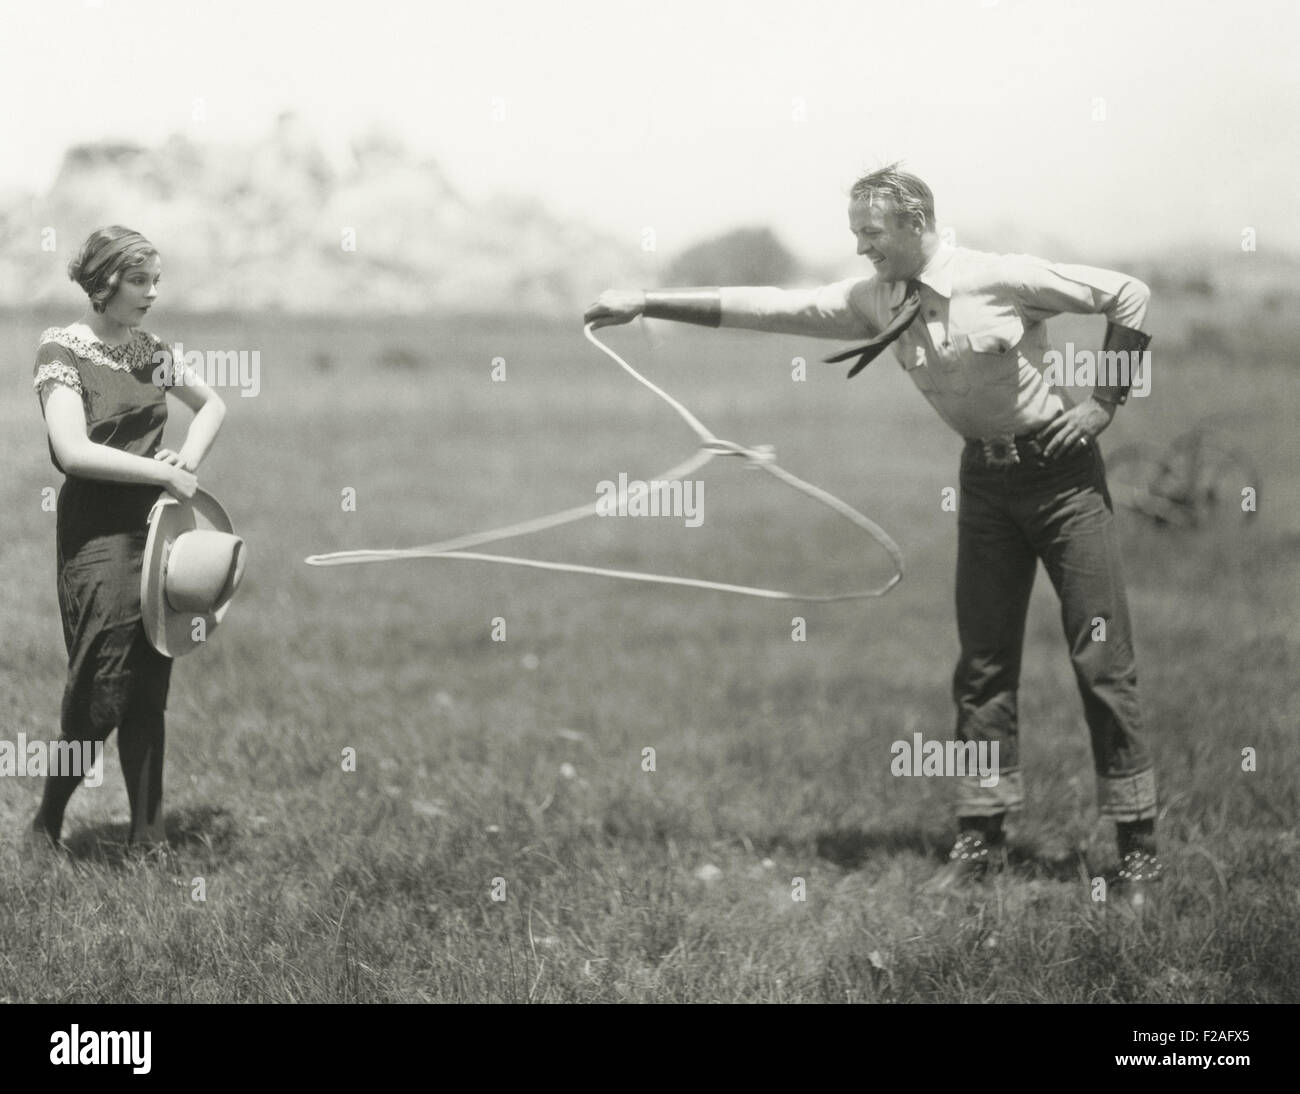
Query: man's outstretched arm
pixel 826 312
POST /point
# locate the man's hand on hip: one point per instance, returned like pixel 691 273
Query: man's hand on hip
pixel 1075 428
pixel 615 306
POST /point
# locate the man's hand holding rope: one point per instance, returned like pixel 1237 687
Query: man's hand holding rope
pixel 615 306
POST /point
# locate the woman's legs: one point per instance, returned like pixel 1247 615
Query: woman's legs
pixel 118 680
pixel 140 740
pixel 91 701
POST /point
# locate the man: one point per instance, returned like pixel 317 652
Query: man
pixel 969 328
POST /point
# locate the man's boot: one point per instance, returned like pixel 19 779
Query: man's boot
pixel 980 850
pixel 1139 868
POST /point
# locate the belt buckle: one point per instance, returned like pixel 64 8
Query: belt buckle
pixel 1000 451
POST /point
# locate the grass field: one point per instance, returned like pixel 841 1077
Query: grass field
pixel 521 760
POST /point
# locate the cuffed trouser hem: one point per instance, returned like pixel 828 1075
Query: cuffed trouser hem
pixel 974 800
pixel 1127 798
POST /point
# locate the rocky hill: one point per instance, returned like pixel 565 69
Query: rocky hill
pixel 279 225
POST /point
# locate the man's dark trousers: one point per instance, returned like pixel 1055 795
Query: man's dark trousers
pixel 1008 518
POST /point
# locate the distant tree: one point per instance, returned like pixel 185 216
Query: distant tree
pixel 745 256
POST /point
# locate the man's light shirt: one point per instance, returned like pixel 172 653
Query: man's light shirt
pixel 979 345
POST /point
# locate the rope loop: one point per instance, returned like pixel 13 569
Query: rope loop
pixel 758 457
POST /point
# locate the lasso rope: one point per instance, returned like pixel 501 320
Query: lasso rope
pixel 710 446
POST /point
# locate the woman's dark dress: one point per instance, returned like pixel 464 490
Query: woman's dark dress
pixel 115 677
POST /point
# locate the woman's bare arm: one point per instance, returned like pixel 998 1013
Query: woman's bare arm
pixel 209 412
pixel 65 421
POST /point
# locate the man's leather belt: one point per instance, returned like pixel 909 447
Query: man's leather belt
pixel 1007 449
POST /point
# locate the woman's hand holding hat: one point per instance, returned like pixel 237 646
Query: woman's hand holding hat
pixel 181 483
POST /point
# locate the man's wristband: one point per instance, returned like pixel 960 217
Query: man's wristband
pixel 700 306
pixel 1119 370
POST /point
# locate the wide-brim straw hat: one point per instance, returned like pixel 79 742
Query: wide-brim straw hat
pixel 193 563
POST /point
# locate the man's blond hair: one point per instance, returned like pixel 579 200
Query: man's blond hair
pixel 912 199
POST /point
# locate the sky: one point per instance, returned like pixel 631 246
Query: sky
pixel 1121 126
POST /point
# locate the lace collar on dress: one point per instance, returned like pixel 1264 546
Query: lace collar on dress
pixel 131 356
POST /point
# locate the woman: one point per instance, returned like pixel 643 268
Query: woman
pixel 103 395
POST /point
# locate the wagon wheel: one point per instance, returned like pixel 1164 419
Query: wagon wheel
pixel 1145 479
pixel 1214 471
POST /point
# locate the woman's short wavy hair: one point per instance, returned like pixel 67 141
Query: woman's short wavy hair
pixel 912 198
pixel 105 256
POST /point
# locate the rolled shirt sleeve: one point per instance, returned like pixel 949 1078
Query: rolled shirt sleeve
pixel 1046 288
pixel 839 310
